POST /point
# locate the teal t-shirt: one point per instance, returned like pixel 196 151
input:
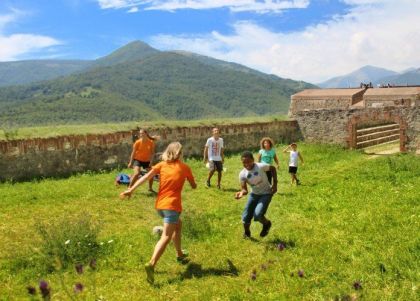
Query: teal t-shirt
pixel 267 156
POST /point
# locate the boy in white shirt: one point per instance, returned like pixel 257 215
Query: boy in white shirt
pixel 262 192
pixel 293 161
pixel 214 155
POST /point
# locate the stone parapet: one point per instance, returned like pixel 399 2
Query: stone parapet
pixel 62 156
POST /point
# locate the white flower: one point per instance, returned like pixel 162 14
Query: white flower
pixel 67 242
pixel 109 241
pixel 101 243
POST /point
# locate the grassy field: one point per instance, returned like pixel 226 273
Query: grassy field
pixel 104 128
pixel 351 229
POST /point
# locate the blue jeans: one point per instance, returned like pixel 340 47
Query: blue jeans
pixel 256 207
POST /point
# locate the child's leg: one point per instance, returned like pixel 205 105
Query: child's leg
pixel 168 232
pixel 150 181
pixel 210 174
pixel 176 238
pixel 135 176
pixel 262 207
pixel 248 213
pixel 219 178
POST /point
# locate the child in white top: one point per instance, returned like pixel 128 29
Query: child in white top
pixel 293 161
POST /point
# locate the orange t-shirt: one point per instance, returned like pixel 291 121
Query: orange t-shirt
pixel 143 150
pixel 172 179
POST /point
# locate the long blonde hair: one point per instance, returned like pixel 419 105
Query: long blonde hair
pixel 173 152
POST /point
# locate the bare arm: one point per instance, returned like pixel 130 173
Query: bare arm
pixel 140 181
pixel 152 154
pixel 192 183
pixel 276 160
pixel 130 164
pixel 222 153
pixel 244 191
pixel 206 148
pixel 259 157
pixel 274 174
pixel 286 149
pixel 300 157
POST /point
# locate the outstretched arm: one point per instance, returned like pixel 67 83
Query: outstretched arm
pixel 140 181
pixel 286 149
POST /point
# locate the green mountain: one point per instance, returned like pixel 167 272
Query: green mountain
pixel 23 72
pixel 138 82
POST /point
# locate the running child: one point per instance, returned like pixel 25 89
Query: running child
pixel 267 154
pixel 293 161
pixel 173 173
pixel 260 197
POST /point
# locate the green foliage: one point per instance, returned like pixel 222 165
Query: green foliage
pixel 68 241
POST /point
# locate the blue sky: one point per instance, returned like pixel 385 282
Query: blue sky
pixel 301 39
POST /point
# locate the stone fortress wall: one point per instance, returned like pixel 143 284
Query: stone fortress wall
pixel 63 156
pixel 338 115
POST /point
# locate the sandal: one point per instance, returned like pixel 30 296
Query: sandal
pixel 183 259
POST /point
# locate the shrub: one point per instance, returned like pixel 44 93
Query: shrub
pixel 69 241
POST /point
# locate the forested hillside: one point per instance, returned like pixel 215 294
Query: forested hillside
pixel 138 83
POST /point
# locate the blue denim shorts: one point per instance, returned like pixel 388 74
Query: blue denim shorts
pixel 169 216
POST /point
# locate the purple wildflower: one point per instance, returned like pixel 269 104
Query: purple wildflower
pixel 44 288
pixel 301 273
pixel 79 268
pixel 31 290
pixel 253 276
pixel 78 288
pixel 92 264
pixel 263 266
pixel 281 246
pixel 357 285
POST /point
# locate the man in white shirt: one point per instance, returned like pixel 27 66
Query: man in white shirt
pixel 213 154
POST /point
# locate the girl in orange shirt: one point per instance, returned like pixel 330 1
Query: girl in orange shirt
pixel 173 173
pixel 142 156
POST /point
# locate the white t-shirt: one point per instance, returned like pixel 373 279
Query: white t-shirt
pixel 256 178
pixel 214 149
pixel 294 155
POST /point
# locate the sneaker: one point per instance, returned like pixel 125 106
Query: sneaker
pixel 183 259
pixel 265 229
pixel 150 271
pixel 247 234
pixel 207 183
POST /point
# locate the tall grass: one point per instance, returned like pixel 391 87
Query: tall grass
pixel 350 231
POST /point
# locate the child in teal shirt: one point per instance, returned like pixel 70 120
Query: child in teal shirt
pixel 267 154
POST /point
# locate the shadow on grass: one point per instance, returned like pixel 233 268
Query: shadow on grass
pixel 195 270
pixel 288 194
pixel 274 243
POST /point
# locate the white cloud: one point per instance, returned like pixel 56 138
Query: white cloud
pixel 133 10
pixel 260 6
pixel 15 45
pixel 374 32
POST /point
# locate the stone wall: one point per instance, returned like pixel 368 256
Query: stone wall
pixel 338 126
pixel 62 156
